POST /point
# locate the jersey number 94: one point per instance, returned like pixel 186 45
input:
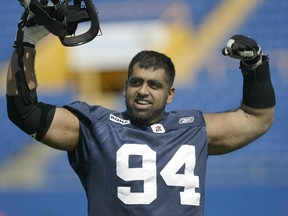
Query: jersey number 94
pixel 185 155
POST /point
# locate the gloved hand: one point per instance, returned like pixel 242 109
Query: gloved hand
pixel 32 32
pixel 244 48
pixel 25 3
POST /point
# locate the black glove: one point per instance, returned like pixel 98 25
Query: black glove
pixel 244 48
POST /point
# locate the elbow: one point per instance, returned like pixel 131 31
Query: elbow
pixel 267 120
pixel 14 115
pixel 269 124
pixel 261 119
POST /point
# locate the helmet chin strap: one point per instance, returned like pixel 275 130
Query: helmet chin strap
pixel 62 19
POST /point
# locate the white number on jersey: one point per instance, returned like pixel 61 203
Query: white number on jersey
pixel 147 173
pixel 185 155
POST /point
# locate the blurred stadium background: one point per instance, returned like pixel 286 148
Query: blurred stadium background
pixel 37 180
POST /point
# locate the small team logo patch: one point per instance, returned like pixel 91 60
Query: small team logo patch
pixel 186 120
pixel 119 120
pixel 158 128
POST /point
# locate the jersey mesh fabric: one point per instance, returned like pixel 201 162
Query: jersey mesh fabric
pixel 131 169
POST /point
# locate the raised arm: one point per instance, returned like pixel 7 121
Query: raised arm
pixel 231 130
pixel 54 126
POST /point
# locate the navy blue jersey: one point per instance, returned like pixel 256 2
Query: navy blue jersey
pixel 131 169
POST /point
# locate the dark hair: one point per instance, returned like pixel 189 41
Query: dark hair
pixel 152 59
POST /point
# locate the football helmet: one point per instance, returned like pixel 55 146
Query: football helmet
pixel 61 18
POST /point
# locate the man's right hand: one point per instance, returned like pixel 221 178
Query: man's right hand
pixel 25 3
pixel 34 33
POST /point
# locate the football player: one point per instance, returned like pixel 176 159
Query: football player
pixel 144 160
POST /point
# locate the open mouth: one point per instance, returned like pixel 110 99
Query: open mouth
pixel 141 104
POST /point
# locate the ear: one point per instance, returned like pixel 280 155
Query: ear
pixel 125 88
pixel 170 95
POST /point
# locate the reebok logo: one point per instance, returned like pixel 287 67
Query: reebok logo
pixel 186 120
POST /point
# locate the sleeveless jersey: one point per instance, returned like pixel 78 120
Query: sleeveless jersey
pixel 132 169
